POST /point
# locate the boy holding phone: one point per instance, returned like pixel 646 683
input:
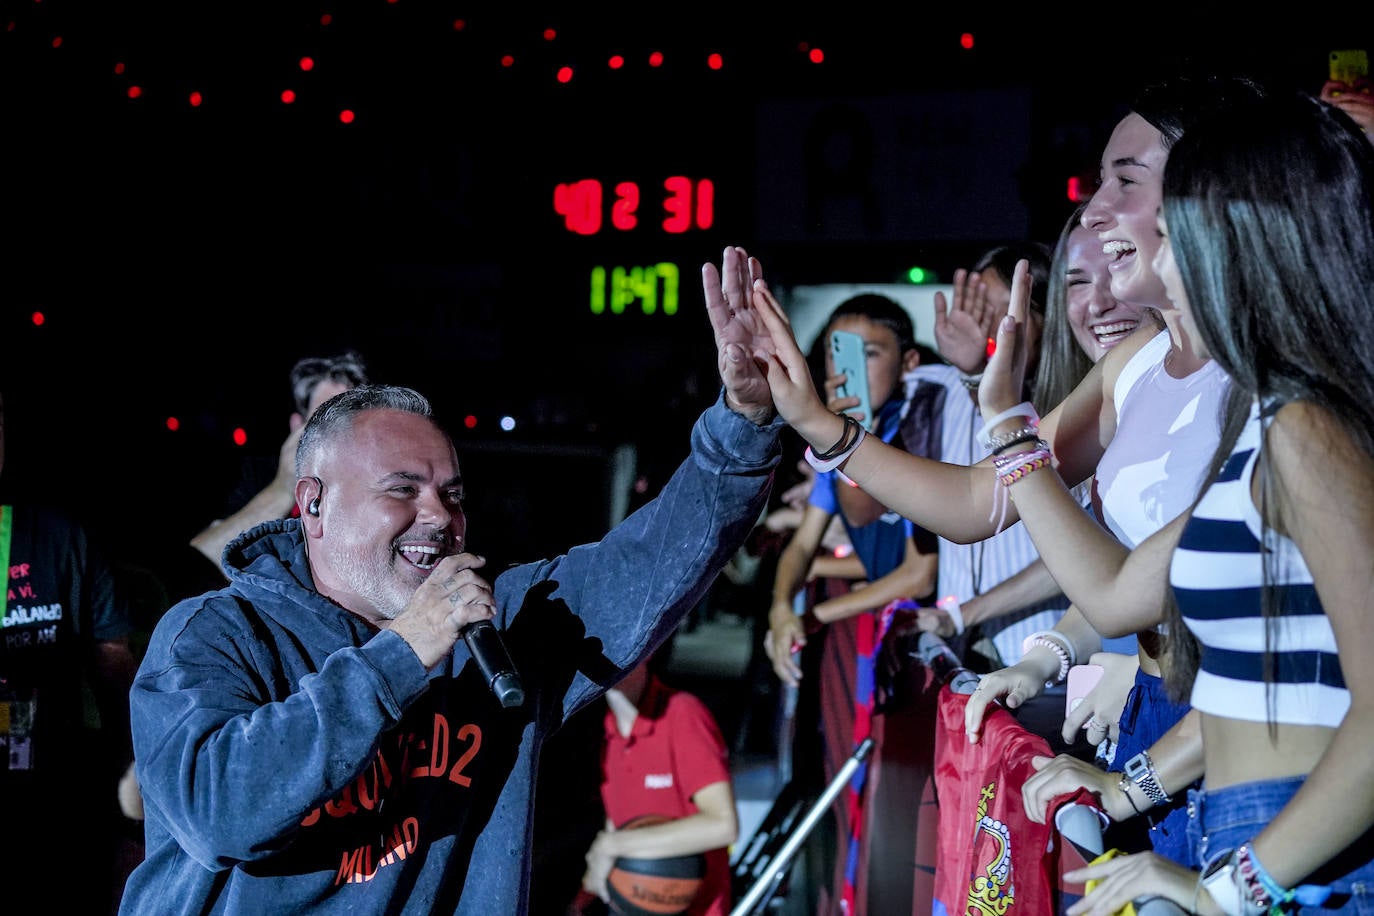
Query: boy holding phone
pixel 897 563
pixel 888 352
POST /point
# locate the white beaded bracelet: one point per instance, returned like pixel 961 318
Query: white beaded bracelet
pixel 1059 645
pixel 1059 639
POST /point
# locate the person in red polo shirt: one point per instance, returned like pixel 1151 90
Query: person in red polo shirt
pixel 664 754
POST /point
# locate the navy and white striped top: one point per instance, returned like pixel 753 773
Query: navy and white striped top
pixel 1218 576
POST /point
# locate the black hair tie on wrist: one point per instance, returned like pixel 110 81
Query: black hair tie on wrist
pixel 852 429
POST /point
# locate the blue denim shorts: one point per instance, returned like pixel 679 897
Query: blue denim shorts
pixel 1221 820
pixel 1147 715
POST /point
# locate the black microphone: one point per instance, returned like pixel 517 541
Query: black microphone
pixel 489 650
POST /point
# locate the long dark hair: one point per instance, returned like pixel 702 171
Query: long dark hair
pixel 1268 209
pixel 1174 105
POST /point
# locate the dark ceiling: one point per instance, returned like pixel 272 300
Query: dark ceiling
pixel 184 255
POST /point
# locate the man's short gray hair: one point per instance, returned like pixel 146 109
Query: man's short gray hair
pixel 336 415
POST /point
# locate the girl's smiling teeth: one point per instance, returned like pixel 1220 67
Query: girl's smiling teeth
pixel 1118 248
pixel 1109 335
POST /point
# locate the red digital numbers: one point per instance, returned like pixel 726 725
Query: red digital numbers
pixel 579 204
pixel 687 205
pixel 685 212
pixel 624 207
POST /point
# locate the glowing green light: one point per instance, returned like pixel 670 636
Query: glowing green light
pixel 919 275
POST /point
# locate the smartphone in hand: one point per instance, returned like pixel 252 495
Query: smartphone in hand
pixel 1349 66
pixel 847 354
pixel 1082 679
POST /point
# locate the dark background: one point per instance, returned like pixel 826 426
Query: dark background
pixel 183 257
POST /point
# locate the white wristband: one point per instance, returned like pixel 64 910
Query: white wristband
pixel 1024 409
pixel 833 463
pixel 1224 884
pixel 950 605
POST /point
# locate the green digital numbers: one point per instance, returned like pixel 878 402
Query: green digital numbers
pixel 618 289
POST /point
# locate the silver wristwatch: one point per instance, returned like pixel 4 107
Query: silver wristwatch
pixel 1141 771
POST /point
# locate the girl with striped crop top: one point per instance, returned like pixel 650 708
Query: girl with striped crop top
pixel 1219 574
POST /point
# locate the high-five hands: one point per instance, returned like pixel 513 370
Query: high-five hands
pixel 789 375
pixel 742 340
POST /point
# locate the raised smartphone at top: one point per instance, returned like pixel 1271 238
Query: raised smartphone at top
pixel 847 355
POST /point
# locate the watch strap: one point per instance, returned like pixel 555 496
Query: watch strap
pixel 1141 769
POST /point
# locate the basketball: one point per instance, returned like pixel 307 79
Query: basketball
pixel 654 887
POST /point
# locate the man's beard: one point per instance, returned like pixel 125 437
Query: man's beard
pixel 378 584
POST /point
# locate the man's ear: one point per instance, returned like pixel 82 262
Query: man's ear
pixel 296 421
pixel 309 491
